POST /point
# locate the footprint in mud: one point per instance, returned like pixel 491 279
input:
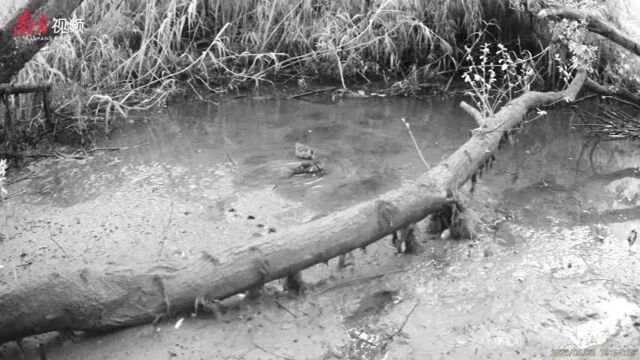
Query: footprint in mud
pixel 371 305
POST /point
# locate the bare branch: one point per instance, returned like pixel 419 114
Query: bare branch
pixel 612 91
pixel 475 114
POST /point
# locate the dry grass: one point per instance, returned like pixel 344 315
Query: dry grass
pixel 138 54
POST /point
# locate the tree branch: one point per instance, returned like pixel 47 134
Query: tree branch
pixel 594 24
pixel 475 114
pixel 612 91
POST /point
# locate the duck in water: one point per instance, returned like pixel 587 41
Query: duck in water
pixel 309 165
pixel 305 152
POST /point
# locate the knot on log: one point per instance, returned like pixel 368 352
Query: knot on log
pixel 387 212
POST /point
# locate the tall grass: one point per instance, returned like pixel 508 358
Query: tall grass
pixel 138 54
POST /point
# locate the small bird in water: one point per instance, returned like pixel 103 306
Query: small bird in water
pixel 632 237
pixel 305 152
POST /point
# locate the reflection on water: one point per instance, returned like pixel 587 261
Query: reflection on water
pixel 365 148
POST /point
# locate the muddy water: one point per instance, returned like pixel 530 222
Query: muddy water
pixel 549 269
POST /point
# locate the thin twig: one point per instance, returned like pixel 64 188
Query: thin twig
pixel 231 160
pixel 312 92
pixel 271 352
pixel 607 280
pixel 622 101
pixel 103 149
pixel 404 322
pixel 165 232
pixel 15 194
pixel 61 248
pixel 26 177
pixel 284 308
pixel 115 148
pixel 415 143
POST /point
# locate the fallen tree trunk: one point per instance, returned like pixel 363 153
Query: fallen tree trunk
pixel 14 54
pixel 101 299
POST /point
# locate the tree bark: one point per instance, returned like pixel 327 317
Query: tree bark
pixel 15 54
pixel 102 299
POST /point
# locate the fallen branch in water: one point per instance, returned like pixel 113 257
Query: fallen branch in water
pixel 57 154
pixel 612 91
pixel 311 92
pixel 415 143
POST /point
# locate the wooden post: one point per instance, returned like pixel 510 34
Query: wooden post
pixel 8 123
pixel 47 112
pixel 7 90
